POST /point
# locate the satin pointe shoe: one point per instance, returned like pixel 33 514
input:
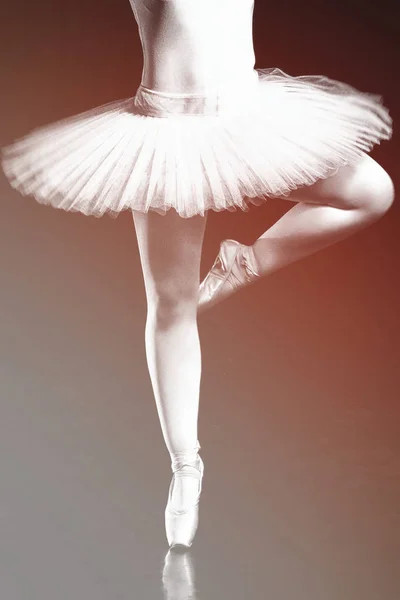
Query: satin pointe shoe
pixel 181 525
pixel 233 268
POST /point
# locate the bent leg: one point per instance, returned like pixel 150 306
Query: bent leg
pixel 326 212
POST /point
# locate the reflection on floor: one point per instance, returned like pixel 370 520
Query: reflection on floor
pixel 178 576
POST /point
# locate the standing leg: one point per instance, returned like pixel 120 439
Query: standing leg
pixel 170 252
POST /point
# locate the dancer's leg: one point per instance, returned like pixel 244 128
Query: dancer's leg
pixel 327 212
pixel 170 251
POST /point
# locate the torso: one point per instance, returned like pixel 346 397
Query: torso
pixel 194 45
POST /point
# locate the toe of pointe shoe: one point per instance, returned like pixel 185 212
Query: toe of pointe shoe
pixel 181 528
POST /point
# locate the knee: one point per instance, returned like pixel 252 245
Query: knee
pixel 173 304
pixel 376 192
pixel 380 195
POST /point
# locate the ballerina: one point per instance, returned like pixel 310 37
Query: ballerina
pixel 207 131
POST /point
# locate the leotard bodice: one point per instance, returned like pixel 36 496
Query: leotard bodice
pixel 191 46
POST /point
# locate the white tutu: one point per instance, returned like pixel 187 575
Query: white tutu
pixel 194 153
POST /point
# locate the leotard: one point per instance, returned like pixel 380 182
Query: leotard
pixel 193 46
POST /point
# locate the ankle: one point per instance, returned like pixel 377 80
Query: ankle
pixel 252 266
pixel 188 457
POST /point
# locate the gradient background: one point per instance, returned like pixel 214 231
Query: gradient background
pixel 299 413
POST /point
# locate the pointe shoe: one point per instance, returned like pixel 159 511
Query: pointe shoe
pixel 181 525
pixel 221 281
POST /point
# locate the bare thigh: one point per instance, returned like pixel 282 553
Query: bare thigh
pixel 170 249
pixel 364 184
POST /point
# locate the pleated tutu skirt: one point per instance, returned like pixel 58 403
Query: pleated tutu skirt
pixel 222 150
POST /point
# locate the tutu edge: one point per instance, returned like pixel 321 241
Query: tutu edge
pixel 110 159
